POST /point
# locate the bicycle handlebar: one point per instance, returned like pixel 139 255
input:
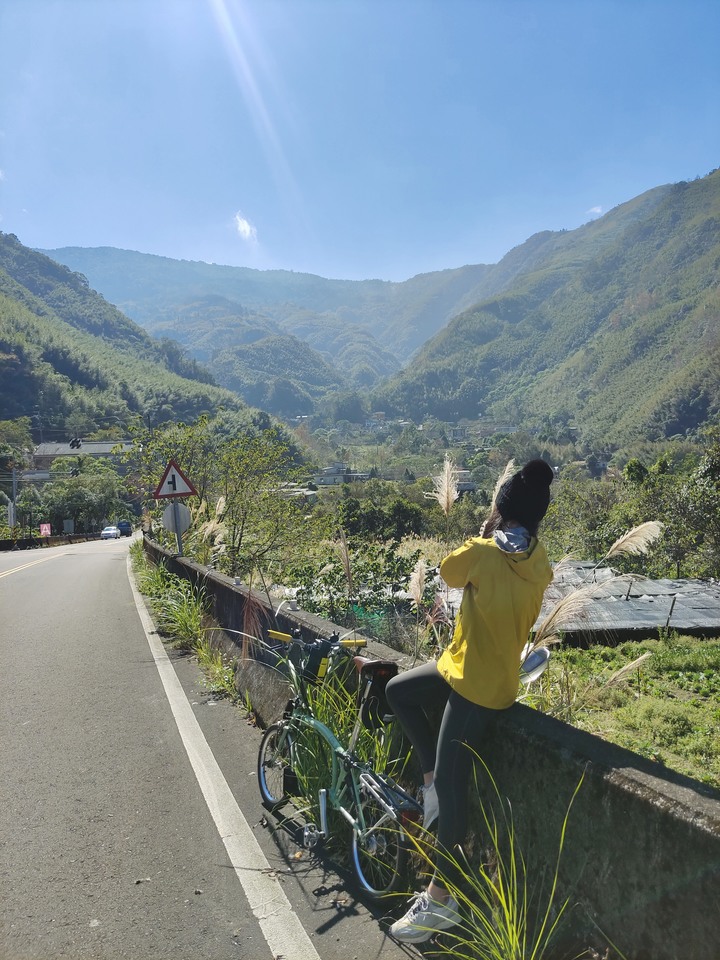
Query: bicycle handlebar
pixel 346 642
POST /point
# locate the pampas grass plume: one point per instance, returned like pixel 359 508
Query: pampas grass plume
pixel 502 479
pixel 416 584
pixel 572 607
pixel 628 668
pixel 446 489
pixel 636 541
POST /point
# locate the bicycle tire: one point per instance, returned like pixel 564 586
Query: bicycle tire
pixel 274 767
pixel 380 857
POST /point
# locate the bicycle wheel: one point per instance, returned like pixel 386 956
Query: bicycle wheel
pixel 379 853
pixel 275 772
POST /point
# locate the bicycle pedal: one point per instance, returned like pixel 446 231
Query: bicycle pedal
pixel 311 836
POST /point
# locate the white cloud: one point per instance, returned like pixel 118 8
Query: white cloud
pixel 245 229
pixel 2 175
pixel 595 211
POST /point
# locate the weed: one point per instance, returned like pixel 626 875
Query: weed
pixel 219 669
pixel 180 613
pixel 506 916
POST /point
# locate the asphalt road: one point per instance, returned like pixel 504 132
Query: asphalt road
pixel 130 821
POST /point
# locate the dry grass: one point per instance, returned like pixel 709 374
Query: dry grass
pixel 636 541
pixel 502 479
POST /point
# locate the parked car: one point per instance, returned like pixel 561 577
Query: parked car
pixel 125 527
pixel 110 533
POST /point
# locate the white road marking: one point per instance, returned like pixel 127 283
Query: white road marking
pixel 285 935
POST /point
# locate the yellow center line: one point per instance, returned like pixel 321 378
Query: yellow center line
pixel 32 563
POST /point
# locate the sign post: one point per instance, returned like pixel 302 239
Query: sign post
pixel 173 486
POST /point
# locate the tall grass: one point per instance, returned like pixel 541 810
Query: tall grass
pixel 219 669
pixel 179 608
pixel 509 912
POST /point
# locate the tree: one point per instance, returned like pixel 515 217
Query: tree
pixel 194 447
pixel 15 446
pixel 28 507
pixel 90 499
pixel 635 472
pixel 404 519
pixel 349 406
pixel 259 515
pixel 579 515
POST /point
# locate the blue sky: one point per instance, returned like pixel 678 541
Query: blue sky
pixel 345 138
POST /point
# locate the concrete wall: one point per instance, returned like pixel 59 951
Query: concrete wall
pixel 641 859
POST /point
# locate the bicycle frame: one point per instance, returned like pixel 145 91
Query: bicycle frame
pixel 347 777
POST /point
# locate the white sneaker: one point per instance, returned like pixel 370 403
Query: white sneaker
pixel 424 919
pixel 430 806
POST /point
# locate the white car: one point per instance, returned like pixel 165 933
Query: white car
pixel 110 533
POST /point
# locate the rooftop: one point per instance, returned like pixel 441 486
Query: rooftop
pixel 627 608
pixel 91 448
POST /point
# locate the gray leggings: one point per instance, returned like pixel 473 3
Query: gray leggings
pixel 464 725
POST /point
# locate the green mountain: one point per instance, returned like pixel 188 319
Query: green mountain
pixel 615 329
pixel 396 317
pixel 611 328
pixel 283 368
pixel 67 356
pixel 283 340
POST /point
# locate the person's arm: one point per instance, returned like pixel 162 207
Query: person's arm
pixel 455 568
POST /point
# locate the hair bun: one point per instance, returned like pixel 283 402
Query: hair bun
pixel 537 474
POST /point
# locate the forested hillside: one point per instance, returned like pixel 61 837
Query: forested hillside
pixel 610 329
pixel 72 361
pixel 616 332
pixel 396 318
pixel 339 333
pixel 285 340
pixel 281 368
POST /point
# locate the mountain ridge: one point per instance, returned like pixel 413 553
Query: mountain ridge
pixel 367 329
pixel 537 338
pixel 67 355
pixel 624 342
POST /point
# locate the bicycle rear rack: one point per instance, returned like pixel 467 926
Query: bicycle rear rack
pixel 379 792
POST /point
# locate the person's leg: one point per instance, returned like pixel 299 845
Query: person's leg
pixel 462 732
pixel 409 695
pixel 464 725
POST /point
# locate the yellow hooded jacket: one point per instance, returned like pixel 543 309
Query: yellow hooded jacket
pixel 501 601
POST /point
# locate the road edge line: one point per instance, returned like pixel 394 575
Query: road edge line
pixel 280 925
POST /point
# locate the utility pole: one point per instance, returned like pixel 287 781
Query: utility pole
pixel 39 419
pixel 12 513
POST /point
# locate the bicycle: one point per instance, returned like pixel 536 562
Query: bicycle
pixel 379 811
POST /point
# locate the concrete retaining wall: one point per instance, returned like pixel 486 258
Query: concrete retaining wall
pixel 641 861
pixel 31 543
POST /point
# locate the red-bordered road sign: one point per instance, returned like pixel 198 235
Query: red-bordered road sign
pixel 174 484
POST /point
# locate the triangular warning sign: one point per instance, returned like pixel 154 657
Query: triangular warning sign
pixel 174 484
